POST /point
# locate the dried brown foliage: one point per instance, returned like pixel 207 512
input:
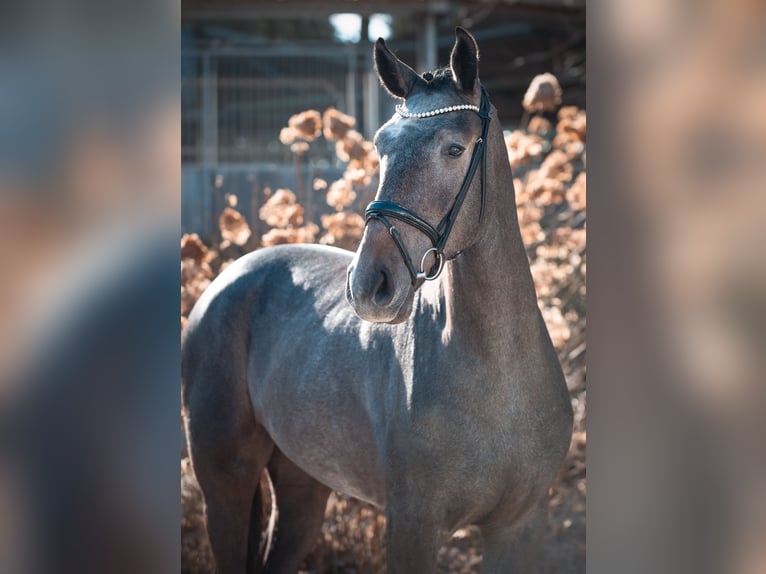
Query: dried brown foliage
pixel 341 194
pixel 570 132
pixel 576 193
pixel 572 123
pixel 200 264
pixel 543 94
pixel 352 146
pixel 548 182
pixel 196 273
pixel 337 124
pixel 285 215
pixel 550 198
pixel 281 210
pixel 227 252
pixel 195 278
pixel 524 148
pixel 303 234
pixel 344 229
pixel 361 169
pixel 306 125
pixel 287 135
pixel 550 186
pixel 539 125
pixel 234 227
pixel 193 248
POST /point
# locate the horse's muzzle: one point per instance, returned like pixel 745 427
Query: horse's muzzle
pixel 376 295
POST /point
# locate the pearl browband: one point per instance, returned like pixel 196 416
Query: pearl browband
pixel 402 111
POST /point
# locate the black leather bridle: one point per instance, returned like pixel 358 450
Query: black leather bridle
pixel 383 210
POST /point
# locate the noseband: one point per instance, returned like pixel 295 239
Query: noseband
pixel 383 210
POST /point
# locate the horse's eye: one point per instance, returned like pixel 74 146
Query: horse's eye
pixel 455 150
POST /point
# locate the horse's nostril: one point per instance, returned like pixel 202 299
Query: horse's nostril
pixel 383 292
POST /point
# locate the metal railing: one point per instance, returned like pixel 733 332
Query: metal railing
pixel 235 101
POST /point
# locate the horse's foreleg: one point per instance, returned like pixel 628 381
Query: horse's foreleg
pixel 515 549
pixel 301 503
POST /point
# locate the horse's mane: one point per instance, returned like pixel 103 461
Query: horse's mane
pixel 438 78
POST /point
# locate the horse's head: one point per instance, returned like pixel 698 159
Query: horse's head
pixel 429 151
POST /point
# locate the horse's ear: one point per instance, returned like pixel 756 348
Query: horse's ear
pixel 464 61
pixel 396 76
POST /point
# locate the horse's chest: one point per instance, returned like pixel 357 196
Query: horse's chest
pixel 451 441
pixel 449 461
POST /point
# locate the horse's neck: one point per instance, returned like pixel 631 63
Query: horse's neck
pixel 487 291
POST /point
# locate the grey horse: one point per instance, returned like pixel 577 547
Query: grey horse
pixel 416 374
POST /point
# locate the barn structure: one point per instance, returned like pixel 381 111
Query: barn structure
pixel 248 65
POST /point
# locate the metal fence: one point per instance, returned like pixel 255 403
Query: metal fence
pixel 235 102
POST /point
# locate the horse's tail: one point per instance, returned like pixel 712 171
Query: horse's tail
pixel 263 514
